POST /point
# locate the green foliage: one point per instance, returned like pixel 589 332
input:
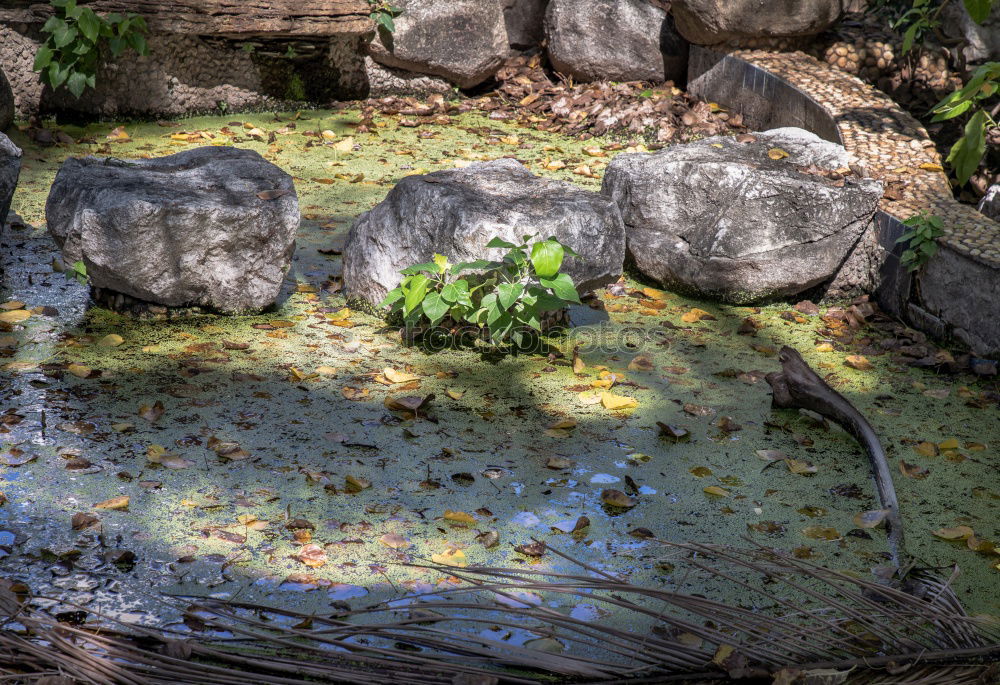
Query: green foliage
pixel 78 271
pixel 921 17
pixel 507 297
pixel 74 38
pixel 967 152
pixel 921 240
pixel 383 14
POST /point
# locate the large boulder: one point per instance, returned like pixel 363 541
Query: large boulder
pixel 525 21
pixel 212 227
pixel 6 102
pixel 463 41
pixel 457 212
pixel 978 42
pixel 10 168
pixel 722 219
pixel 625 40
pixel 990 204
pixel 707 22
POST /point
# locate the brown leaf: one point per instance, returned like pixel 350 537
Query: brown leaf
pixel 273 194
pixel 115 503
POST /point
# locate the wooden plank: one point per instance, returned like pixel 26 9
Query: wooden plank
pixel 223 17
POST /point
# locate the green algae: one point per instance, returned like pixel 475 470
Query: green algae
pixel 486 449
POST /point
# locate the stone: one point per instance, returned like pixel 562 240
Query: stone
pixel 211 227
pixel 708 22
pixel 978 42
pixel 990 204
pixel 642 47
pixel 525 20
pixel 10 169
pixel 458 211
pixel 463 41
pixel 721 219
pixel 6 103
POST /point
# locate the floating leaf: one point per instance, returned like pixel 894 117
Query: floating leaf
pixel 394 376
pixel 558 463
pixel 618 402
pixel 531 549
pixel 571 525
pixel 80 371
pixel 115 503
pixel 912 470
pixel 859 362
pixel 956 533
pixel 674 433
pixel 800 467
pixel 395 541
pixel 152 413
pixel 700 471
pixel 617 498
pixel 356 483
pixel 771 455
pixel 459 517
pixel 716 491
pixel 15 316
pixel 870 519
pixel 450 557
pixel 111 340
pixel 312 555
pixel 696 315
pixel 926 449
pixel 821 533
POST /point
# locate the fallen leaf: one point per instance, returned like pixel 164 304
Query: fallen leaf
pixel 859 362
pixel 716 491
pixel 531 549
pixel 15 316
pixel 273 194
pixel 395 541
pixel 956 533
pixel 312 555
pixel 618 402
pixel 800 467
pixel 450 557
pixel 870 519
pixel 152 413
pixel 912 470
pixel 111 340
pixel 696 315
pixel 617 498
pixel 394 376
pixel 356 483
pixel 821 533
pixel 115 503
pixel 459 517
pixel 80 371
pixel 776 153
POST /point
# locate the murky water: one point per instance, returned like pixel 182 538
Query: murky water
pixel 231 527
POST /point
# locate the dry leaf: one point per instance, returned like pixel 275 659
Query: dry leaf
pixel 311 555
pixel 618 402
pixel 115 503
pixel 776 153
pixel 617 498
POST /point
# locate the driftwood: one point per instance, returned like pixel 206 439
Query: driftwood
pixel 797 386
pixel 232 18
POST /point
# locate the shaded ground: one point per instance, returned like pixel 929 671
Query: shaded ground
pixel 299 390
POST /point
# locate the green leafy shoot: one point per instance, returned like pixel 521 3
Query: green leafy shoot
pixel 971 100
pixel 74 39
pixel 505 298
pixel 920 240
pixel 383 14
pixel 78 271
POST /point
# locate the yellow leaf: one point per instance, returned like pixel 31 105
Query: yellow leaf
pixel 394 376
pixel 824 347
pixel 616 402
pixel 115 503
pixel 329 135
pixel 821 533
pixel 458 517
pixel 356 483
pixel 956 533
pixel 346 145
pixel 79 370
pixel 12 304
pixel 326 371
pixel 776 153
pixel 716 490
pixel 555 165
pixel 859 362
pixel 800 467
pixel 870 519
pixel 111 340
pixel 949 444
pixel 15 316
pixel 928 166
pixel 454 394
pixel 696 315
pixel 926 449
pixel 451 557
pixel 593 151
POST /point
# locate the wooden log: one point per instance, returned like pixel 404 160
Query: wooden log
pixel 230 18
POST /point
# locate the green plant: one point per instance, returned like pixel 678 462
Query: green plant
pixel 921 17
pixel 74 39
pixel 507 298
pixel 968 150
pixel 383 14
pixel 920 240
pixel 78 271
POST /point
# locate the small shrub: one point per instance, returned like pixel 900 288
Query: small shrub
pixel 74 39
pixel 506 299
pixel 383 14
pixel 921 240
pixel 967 152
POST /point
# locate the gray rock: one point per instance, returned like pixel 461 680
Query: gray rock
pixel 10 168
pixel 525 20
pixel 990 204
pixel 463 41
pixel 640 45
pixel 6 103
pixel 721 219
pixel 457 212
pixel 707 22
pixel 183 230
pixel 979 42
